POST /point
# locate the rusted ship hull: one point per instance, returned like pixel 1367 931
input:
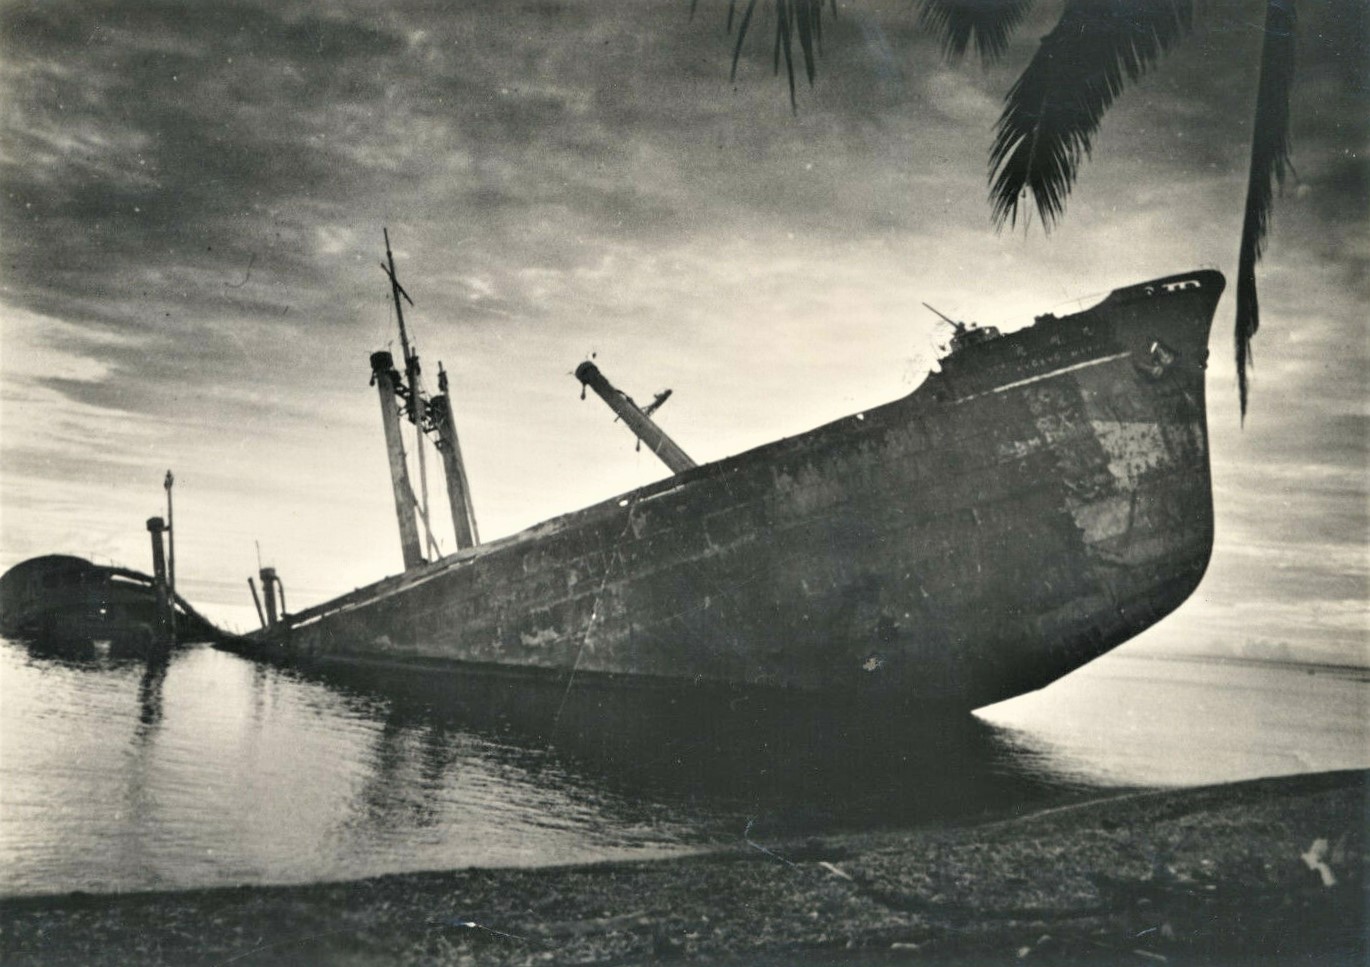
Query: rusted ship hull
pixel 1041 500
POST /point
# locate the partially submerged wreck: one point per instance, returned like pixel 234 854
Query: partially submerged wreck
pixel 62 602
pixel 1040 500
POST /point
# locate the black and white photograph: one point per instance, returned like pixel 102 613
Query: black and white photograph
pixel 770 482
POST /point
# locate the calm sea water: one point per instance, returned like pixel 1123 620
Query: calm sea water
pixel 210 770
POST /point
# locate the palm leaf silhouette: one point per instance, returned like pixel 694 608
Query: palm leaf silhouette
pixel 801 17
pixel 1052 112
pixel 1054 109
pixel 1269 164
pixel 990 23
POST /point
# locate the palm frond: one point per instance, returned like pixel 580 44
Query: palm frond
pixel 1053 110
pixel 804 26
pixel 990 23
pixel 792 17
pixel 784 31
pixel 1269 165
pixel 741 35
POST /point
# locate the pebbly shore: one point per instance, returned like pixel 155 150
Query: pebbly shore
pixel 1267 871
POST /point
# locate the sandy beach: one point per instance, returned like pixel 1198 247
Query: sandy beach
pixel 1267 871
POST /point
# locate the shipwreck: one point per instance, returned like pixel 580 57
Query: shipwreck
pixel 1039 500
pixel 66 603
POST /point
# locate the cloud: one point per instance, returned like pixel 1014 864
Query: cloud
pixel 192 203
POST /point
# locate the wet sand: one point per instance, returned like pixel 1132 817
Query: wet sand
pixel 1270 871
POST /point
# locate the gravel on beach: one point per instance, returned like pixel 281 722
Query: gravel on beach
pixel 1266 871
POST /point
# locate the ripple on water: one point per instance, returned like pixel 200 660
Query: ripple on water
pixel 214 771
pixel 210 770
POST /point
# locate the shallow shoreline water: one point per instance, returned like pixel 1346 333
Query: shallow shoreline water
pixel 209 770
pixel 1264 871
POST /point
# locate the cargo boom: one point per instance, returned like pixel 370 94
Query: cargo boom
pixel 1040 500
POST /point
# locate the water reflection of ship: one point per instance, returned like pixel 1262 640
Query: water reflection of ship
pixel 290 778
pixel 150 687
pixel 101 656
pixel 790 771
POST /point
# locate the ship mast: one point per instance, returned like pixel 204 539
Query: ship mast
pixel 458 490
pixel 634 417
pixel 389 387
pixel 428 416
pixel 412 376
pixel 960 327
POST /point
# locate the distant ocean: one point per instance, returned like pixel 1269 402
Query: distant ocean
pixel 208 770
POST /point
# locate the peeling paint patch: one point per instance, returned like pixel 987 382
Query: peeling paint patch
pixel 539 638
pixel 1133 448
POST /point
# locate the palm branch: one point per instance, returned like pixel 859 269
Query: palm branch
pixel 802 18
pixel 1269 163
pixel 989 22
pixel 1053 111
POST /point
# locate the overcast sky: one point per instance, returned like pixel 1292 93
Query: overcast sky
pixel 193 197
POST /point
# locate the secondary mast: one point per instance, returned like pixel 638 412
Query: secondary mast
pixel 637 419
pixel 390 388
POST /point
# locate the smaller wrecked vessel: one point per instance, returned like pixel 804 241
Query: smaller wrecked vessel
pixel 1042 498
pixel 62 601
pixel 65 603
